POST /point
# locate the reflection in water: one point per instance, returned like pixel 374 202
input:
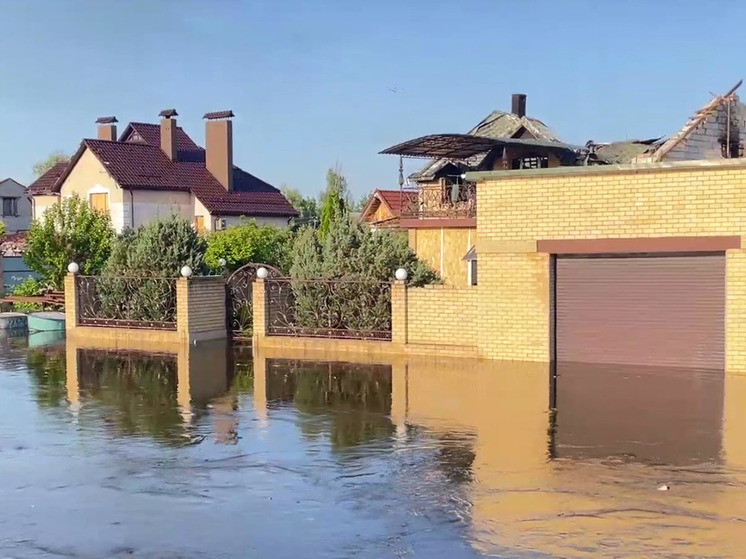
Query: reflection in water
pixel 347 402
pixel 653 415
pixel 214 452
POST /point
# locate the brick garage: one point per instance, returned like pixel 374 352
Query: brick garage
pixel 521 213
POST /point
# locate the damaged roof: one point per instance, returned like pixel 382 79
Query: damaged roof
pixel 496 125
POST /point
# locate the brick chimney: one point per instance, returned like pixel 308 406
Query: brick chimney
pixel 107 128
pixel 219 146
pixel 168 133
pixel 518 104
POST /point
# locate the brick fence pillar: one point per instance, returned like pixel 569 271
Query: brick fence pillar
pixel 259 303
pixel 200 308
pixel 399 313
pixel 71 302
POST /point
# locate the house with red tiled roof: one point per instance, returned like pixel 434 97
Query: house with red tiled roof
pixel 153 171
pixel 384 207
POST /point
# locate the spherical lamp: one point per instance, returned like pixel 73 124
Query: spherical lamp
pixel 73 267
pixel 262 273
pixel 401 274
pixel 186 271
pixel 222 262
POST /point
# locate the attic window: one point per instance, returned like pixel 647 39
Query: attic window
pixel 135 137
pixel 530 163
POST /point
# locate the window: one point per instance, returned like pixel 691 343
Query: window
pixel 199 223
pixel 10 207
pixel 99 202
pixel 472 272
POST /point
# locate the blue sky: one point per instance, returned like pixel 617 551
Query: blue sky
pixel 311 81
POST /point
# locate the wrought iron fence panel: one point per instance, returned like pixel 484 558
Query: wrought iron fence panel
pixel 126 302
pixel 240 292
pixel 352 309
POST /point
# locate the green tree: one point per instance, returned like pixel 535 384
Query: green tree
pixel 2 229
pixel 159 249
pixel 359 260
pixel 41 167
pixel 307 206
pixel 248 242
pixel 69 231
pixel 336 200
pixel 359 206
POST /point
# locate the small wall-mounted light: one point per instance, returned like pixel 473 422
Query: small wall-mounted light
pixel 222 262
pixel 73 268
pixel 262 273
pixel 401 274
pixel 186 271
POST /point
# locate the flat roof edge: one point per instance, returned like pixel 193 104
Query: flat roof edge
pixel 696 165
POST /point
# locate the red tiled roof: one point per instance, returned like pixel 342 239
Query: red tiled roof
pixel 45 184
pixel 13 244
pixel 395 198
pixel 142 165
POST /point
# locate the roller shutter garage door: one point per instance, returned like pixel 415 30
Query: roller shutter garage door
pixel 641 310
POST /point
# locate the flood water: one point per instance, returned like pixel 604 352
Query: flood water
pixel 216 453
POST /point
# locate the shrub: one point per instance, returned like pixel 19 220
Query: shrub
pixel 2 229
pixel 246 243
pixel 133 286
pixel 158 249
pixel 359 259
pixel 69 231
pixel 351 249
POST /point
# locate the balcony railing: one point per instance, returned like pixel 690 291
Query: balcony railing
pixel 445 201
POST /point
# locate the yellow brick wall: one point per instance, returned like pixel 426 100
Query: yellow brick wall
pixel 517 209
pixel 442 315
pixel 735 320
pixel 646 203
pixel 514 307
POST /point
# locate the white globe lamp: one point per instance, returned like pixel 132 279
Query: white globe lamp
pixel 186 271
pixel 262 273
pixel 73 268
pixel 222 262
pixel 401 274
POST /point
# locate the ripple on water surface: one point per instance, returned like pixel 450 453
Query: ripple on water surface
pixel 218 454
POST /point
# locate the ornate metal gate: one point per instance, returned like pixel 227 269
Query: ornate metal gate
pixel 239 293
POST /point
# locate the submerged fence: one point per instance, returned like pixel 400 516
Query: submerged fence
pixel 126 302
pixel 340 308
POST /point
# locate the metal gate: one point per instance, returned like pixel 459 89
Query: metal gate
pixel 239 299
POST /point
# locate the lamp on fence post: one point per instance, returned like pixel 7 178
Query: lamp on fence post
pixel 186 272
pixel 262 273
pixel 73 268
pixel 401 274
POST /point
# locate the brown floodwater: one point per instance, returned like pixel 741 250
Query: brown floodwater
pixel 216 453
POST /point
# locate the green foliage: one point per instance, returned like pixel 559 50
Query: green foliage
pixel 352 249
pixel 29 287
pixel 2 229
pixel 359 259
pixel 69 231
pixel 158 249
pixel 336 201
pixel 42 167
pixel 307 206
pixel 133 286
pixel 248 242
pixel 359 206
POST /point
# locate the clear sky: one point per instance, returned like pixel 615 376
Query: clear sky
pixel 319 82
